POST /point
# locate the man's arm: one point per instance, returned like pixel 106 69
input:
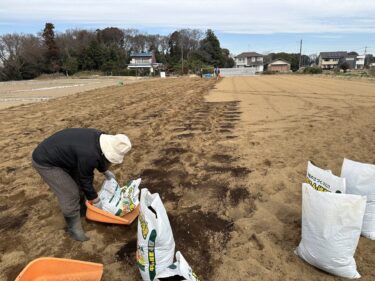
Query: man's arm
pixel 86 178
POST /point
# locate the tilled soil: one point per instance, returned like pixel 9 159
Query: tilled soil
pixel 287 120
pixel 227 159
pixel 178 150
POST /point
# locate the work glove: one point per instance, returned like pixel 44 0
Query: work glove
pixel 97 203
pixel 109 175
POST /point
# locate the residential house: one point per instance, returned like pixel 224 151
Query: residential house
pixel 279 66
pixel 363 61
pixel 249 59
pixel 332 60
pixel 360 63
pixel 143 61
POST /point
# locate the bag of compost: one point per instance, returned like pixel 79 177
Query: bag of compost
pixel 130 196
pixel 331 227
pixel 324 180
pixel 360 179
pixel 119 200
pixel 155 242
pixel 180 270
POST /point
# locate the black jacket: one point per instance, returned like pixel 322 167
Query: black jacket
pixel 78 152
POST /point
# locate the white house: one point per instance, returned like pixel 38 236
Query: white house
pixel 142 61
pixel 249 59
pixel 360 63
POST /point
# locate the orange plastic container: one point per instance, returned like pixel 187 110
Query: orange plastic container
pixel 54 269
pixel 97 214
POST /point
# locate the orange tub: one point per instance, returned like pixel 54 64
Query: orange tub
pixel 96 214
pixel 54 269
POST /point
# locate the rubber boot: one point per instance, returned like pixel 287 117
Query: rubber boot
pixel 75 228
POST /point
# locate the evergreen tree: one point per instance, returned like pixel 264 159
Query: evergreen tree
pixel 174 44
pixel 70 65
pixel 210 49
pixel 52 60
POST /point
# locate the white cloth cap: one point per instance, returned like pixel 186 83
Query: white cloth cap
pixel 114 147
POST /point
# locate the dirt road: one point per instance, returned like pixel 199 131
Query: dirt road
pixel 228 170
pixel 23 92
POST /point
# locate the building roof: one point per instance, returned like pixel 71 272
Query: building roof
pixel 333 55
pixel 146 54
pixel 248 54
pixel 276 60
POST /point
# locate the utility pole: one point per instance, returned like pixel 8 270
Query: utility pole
pixel 300 54
pixel 182 59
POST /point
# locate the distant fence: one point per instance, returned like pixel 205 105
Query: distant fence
pixel 244 71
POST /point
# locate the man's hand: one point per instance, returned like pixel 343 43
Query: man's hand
pixel 97 202
pixel 109 175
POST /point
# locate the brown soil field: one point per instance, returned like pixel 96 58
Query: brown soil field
pixel 22 92
pixel 228 159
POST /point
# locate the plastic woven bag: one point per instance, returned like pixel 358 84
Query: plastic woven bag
pixel 360 179
pixel 331 227
pixel 324 180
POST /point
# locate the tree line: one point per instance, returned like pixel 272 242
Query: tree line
pixel 26 56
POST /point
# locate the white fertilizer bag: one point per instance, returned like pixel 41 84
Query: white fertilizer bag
pixel 109 195
pixel 129 196
pixel 119 201
pixel 324 180
pixel 180 269
pixel 155 242
pixel 331 227
pixel 360 179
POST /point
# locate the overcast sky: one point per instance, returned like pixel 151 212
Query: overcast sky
pixel 257 25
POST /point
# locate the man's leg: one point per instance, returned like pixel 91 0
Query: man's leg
pixel 82 204
pixel 82 198
pixel 67 192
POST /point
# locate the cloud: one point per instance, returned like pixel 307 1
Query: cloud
pixel 327 36
pixel 235 16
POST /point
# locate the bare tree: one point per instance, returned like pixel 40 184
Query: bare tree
pixel 32 56
pixel 314 59
pixel 128 37
pixel 111 36
pixel 10 50
pixel 72 42
pixel 190 39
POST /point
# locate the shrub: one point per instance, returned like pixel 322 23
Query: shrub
pixel 269 72
pixel 312 70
